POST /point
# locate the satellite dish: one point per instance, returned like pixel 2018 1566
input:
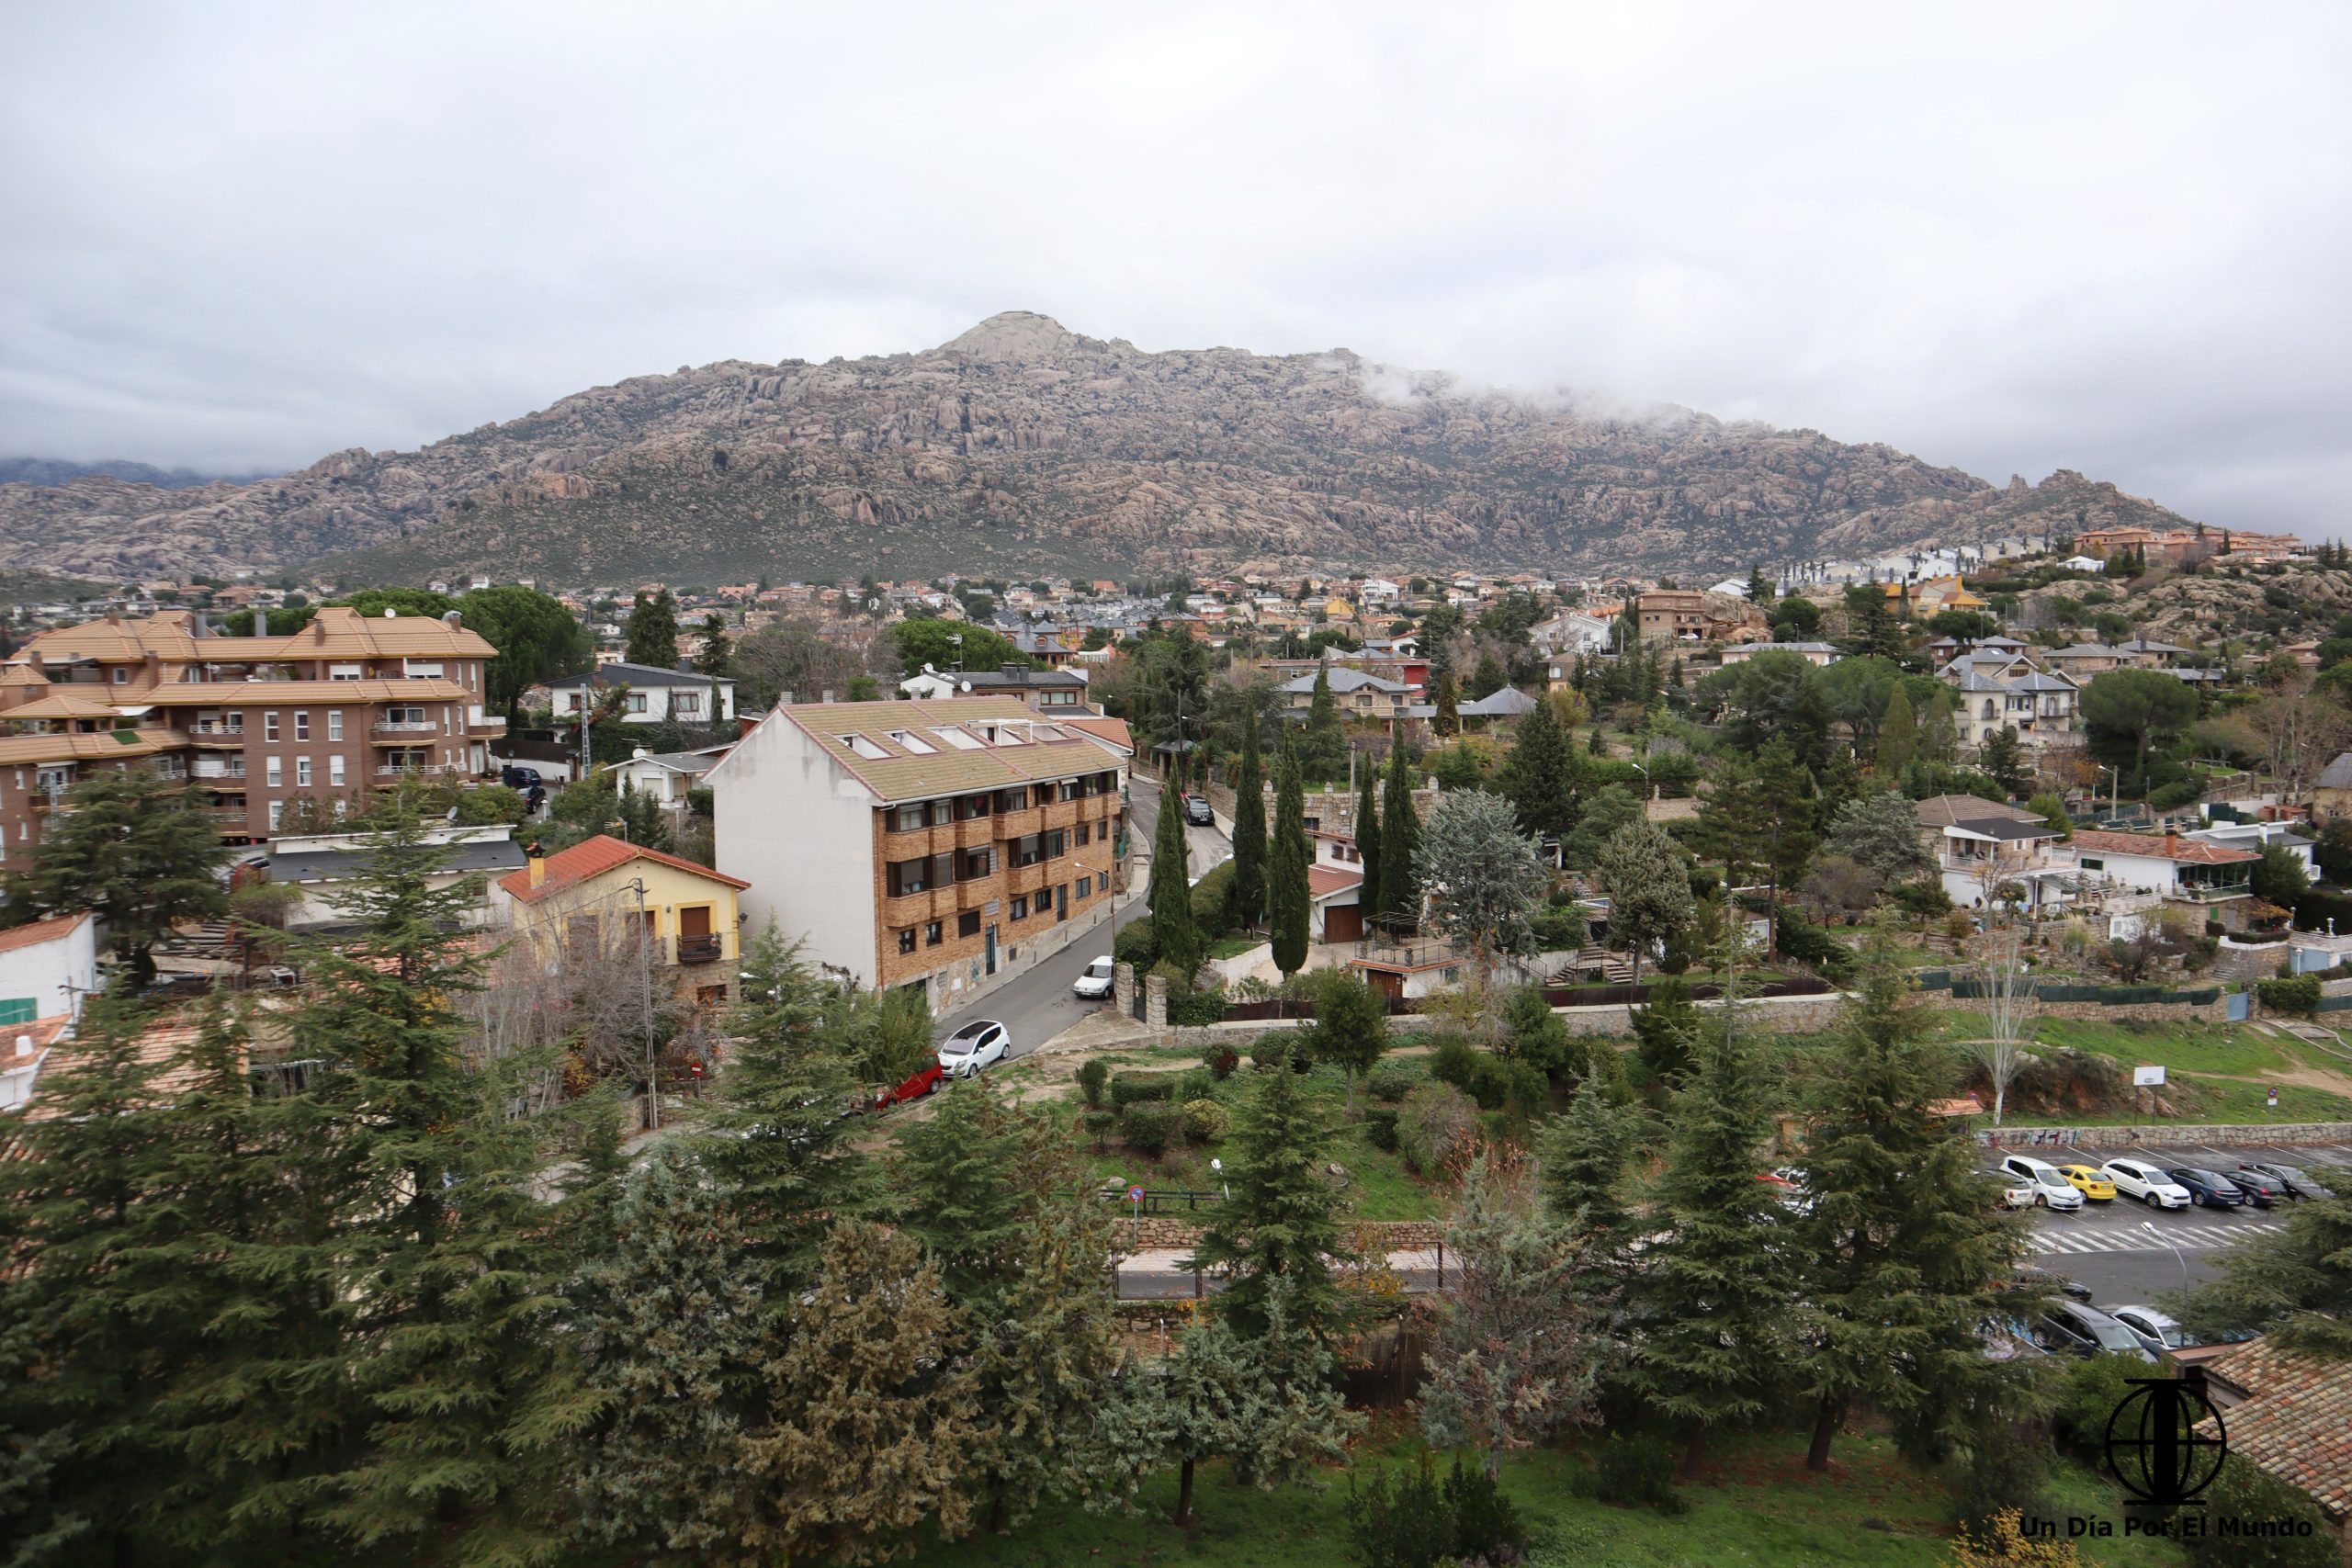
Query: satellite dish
pixel 390 614
pixel 451 817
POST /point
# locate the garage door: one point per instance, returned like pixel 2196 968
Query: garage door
pixel 1343 922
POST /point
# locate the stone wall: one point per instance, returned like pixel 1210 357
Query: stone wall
pixel 1183 1230
pixel 2158 1133
pixel 2215 1012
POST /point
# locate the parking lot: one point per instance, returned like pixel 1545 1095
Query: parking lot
pixel 2125 1251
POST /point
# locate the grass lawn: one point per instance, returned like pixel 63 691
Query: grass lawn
pixel 1235 946
pixel 1758 1509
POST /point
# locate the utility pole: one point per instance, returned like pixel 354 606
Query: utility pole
pixel 645 989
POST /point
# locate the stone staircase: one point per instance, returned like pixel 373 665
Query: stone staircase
pixel 1615 968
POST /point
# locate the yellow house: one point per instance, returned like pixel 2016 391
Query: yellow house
pixel 591 903
pixel 1337 609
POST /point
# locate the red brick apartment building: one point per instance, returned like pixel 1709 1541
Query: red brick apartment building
pixel 347 704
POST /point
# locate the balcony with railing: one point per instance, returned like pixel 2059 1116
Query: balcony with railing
pixel 708 949
pixel 205 768
pixel 217 732
pixel 388 771
pixel 404 727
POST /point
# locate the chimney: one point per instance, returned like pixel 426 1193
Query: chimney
pixel 537 861
pixel 826 695
pixel 452 619
pixel 1017 673
pixel 2172 842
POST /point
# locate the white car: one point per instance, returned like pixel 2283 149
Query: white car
pixel 2155 1332
pixel 2050 1187
pixel 974 1046
pixel 1096 979
pixel 2016 1192
pixel 2145 1180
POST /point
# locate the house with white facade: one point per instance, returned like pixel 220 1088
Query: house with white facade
pixel 1572 631
pixel 668 776
pixel 654 695
pixel 2178 867
pixel 47 967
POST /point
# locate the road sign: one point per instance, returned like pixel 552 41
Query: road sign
pixel 2147 1078
pixel 1135 1194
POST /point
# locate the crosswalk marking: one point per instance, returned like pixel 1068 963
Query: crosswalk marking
pixel 2191 1238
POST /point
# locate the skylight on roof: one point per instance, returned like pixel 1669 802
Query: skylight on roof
pixel 864 746
pixel 962 740
pixel 913 743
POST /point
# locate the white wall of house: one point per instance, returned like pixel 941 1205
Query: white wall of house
pixel 52 975
pixel 688 701
pixel 794 824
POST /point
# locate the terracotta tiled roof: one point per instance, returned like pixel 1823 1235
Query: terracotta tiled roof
pixel 1322 881
pixel 1114 730
pixel 245 694
pixel 39 931
pixel 86 747
pixel 2158 846
pixel 592 858
pixel 62 704
pixel 2296 1421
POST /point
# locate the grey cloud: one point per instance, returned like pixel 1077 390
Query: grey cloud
pixel 2015 238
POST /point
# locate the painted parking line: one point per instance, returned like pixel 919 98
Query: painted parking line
pixel 2189 1238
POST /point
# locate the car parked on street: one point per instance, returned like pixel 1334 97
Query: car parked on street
pixel 2156 1331
pixel 2051 1189
pixel 2091 1181
pixel 2034 1277
pixel 980 1044
pixel 2016 1192
pixel 1094 981
pixel 2146 1181
pixel 2209 1188
pixel 1197 811
pixel 924 1080
pixel 2076 1329
pixel 2298 1182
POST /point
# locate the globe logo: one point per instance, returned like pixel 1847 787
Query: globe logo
pixel 2154 1448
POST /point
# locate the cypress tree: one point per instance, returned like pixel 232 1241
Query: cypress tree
pixel 1246 894
pixel 1285 1221
pixel 1325 744
pixel 1449 705
pixel 1898 737
pixel 1368 837
pixel 1400 840
pixel 1538 778
pixel 1900 1251
pixel 1173 930
pixel 1715 1294
pixel 446 1253
pixel 1288 906
pixel 778 1145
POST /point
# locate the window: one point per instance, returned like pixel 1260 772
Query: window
pixel 301 773
pixel 1020 911
pixel 637 702
pixel 276 810
pixel 907 939
pixel 907 819
pixel 334 724
pixel 978 864
pixel 971 807
pixel 407 718
pixel 1085 885
pixel 1045 900
pixel 335 770
pixel 934 935
pixel 302 727
pixel 1085 835
pixel 968 923
pixel 1057 843
pixel 1028 851
pixel 686 703
pixel 1072 788
pixel 277 774
pixel 346 673
pixel 905 876
pixel 269 726
pixel 1011 799
pixel 121 676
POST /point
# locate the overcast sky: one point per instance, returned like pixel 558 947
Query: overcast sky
pixel 2113 238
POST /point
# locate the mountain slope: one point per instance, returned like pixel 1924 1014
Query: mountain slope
pixel 57 472
pixel 1020 446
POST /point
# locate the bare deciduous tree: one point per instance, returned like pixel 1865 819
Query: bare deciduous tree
pixel 2010 1006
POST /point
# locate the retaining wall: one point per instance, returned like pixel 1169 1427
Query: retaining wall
pixel 2161 1134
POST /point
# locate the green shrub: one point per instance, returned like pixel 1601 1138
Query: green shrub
pixel 1221 1059
pixel 1151 1125
pixel 1092 1076
pixel 1205 1121
pixel 2006 1466
pixel 1100 1126
pixel 1392 1081
pixel 2299 996
pixel 2176 795
pixel 1558 929
pixel 1380 1128
pixel 1455 1061
pixel 1194 1009
pixel 2245 1491
pixel 1210 896
pixel 1129 1088
pixel 1135 944
pixel 1275 1045
pixel 1412 1519
pixel 2093 1388
pixel 1634 1472
pixel 1807 943
pixel 1433 1123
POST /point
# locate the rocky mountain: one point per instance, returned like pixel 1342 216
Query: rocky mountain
pixel 1022 447
pixel 56 471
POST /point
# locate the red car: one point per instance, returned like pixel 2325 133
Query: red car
pixel 926 1081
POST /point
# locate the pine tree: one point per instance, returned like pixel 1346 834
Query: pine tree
pixel 84 1197
pixel 1715 1294
pixel 1517 1353
pixel 958 1179
pixel 1584 1152
pixel 2003 757
pixel 672 1338
pixel 1640 867
pixel 778 1146
pixel 1539 778
pixel 135 849
pixel 654 631
pixel 1246 894
pixel 1368 837
pixel 1288 906
pixel 1898 737
pixel 873 1420
pixel 446 1255
pixel 1759 818
pixel 257 1196
pixel 1284 1221
pixel 1939 729
pixel 1901 1255
pixel 1666 1029
pixel 1400 841
pixel 642 820
pixel 1173 930
pixel 712 657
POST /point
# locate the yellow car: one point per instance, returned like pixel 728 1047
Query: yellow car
pixel 2091 1181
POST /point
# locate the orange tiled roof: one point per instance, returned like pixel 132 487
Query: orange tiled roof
pixel 592 858
pixel 2296 1421
pixel 2160 846
pixel 1114 730
pixel 39 931
pixel 1322 881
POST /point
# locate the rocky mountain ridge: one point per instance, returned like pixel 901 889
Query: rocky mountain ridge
pixel 1022 447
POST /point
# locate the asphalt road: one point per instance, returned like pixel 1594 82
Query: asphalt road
pixel 1037 1004
pixel 2126 1252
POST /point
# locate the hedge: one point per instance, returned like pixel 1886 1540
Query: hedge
pixel 2298 995
pixel 1195 1010
pixel 1132 1089
pixel 1150 1126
